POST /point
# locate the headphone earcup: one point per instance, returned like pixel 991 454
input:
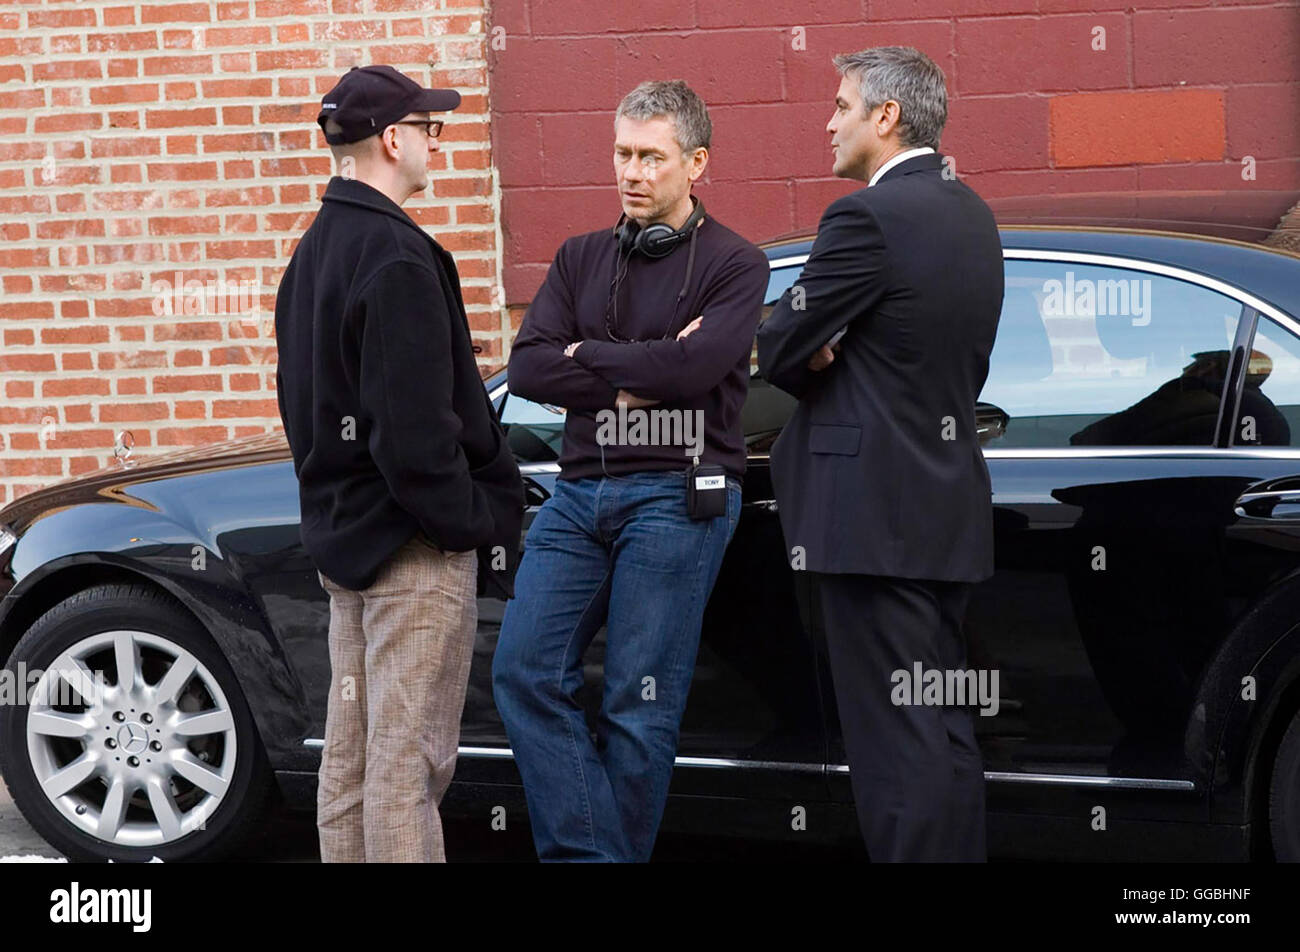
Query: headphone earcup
pixel 655 241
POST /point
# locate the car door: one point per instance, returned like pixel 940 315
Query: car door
pixel 1113 495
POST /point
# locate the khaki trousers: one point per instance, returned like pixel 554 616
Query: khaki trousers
pixel 400 653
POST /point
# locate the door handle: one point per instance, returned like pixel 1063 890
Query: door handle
pixel 1260 505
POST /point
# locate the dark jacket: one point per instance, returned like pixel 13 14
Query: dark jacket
pixel 879 471
pixel 707 373
pixel 391 429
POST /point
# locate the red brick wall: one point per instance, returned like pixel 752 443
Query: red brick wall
pixel 142 140
pixel 139 140
pixel 1182 92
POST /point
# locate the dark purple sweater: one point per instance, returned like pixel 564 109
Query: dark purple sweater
pixel 707 371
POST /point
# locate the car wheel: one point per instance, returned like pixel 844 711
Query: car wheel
pixel 1284 796
pixel 132 739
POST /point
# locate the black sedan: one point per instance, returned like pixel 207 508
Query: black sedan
pixel 165 633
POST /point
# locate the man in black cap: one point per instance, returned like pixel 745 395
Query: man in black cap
pixel 403 471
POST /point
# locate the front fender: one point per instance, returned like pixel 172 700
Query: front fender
pixel 195 537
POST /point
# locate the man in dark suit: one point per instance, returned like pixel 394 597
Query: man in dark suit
pixel 882 487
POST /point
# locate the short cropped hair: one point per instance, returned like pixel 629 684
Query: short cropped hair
pixel 673 99
pixel 908 77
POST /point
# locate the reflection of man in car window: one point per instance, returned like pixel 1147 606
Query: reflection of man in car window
pixel 1185 410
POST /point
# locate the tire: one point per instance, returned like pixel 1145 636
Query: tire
pixel 134 776
pixel 1284 797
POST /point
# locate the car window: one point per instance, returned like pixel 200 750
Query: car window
pixel 534 431
pixel 1269 413
pixel 1102 356
pixel 767 409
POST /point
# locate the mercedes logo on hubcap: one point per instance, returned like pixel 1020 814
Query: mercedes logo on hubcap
pixel 132 738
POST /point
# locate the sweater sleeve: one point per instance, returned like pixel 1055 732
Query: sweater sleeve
pixel 689 368
pixel 538 367
pixel 844 278
pixel 406 382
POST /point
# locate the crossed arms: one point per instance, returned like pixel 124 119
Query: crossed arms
pixel 844 278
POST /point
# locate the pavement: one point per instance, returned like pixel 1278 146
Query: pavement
pixel 292 839
pixel 17 838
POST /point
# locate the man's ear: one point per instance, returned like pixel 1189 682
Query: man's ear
pixel 699 159
pixel 388 142
pixel 890 113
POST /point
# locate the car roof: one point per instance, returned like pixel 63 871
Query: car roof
pixel 1212 233
pixel 1243 215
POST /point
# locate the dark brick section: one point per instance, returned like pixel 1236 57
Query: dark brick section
pixel 1182 91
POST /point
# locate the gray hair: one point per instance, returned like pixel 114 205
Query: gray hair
pixel 673 99
pixel 908 77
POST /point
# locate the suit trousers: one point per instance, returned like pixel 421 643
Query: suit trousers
pixel 916 770
pixel 400 654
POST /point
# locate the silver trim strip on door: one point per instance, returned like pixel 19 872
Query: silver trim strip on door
pixel 1124 783
pixel 992 776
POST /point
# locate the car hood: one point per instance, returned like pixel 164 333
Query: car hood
pixel 107 482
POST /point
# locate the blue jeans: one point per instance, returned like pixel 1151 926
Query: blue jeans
pixel 619 551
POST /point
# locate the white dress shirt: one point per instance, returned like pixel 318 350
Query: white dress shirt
pixel 901 157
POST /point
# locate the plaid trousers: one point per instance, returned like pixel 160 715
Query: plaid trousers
pixel 400 653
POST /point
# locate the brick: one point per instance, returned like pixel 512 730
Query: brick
pixel 73 386
pixel 118 94
pixel 1256 123
pixel 85 334
pixel 175 13
pixel 810 75
pixel 121 42
pixel 26 363
pixel 776 13
pixel 1230 44
pixel 557 75
pixel 54 19
pixel 188 383
pixel 242 409
pixel 174 118
pixel 190 436
pixel 1139 127
pixel 1042 54
pixel 132 412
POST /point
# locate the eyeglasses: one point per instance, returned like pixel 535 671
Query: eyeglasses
pixel 433 127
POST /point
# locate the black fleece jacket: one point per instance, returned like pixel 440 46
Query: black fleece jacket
pixel 391 429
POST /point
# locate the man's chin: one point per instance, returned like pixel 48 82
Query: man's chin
pixel 639 212
pixel 846 171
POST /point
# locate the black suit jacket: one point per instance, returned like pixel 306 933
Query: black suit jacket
pixel 879 471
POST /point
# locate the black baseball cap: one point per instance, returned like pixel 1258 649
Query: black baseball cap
pixel 368 98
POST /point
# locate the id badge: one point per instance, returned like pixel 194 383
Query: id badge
pixel 706 490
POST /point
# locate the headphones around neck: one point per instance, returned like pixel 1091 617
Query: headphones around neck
pixel 657 240
pixel 654 241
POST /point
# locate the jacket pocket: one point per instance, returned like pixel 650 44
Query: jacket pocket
pixel 841 439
